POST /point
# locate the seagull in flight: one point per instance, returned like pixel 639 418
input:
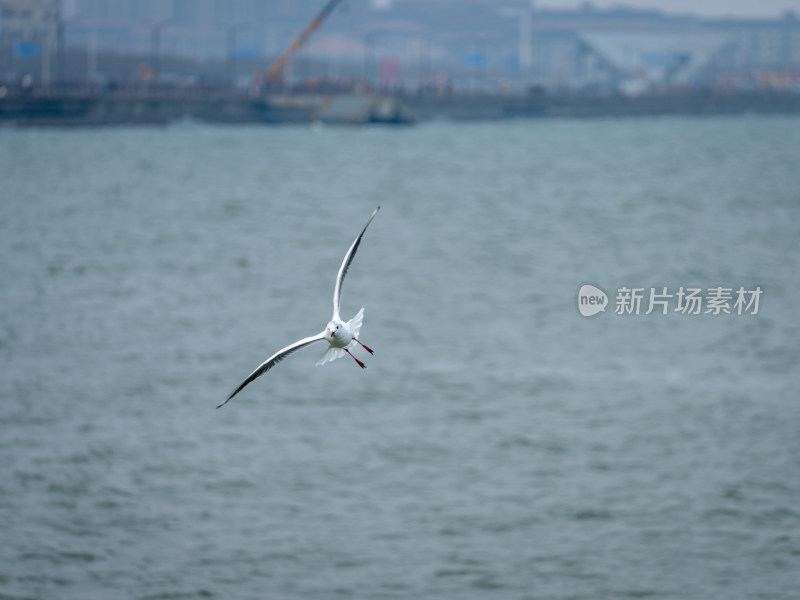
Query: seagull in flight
pixel 340 335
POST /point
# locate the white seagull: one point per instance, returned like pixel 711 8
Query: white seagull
pixel 339 334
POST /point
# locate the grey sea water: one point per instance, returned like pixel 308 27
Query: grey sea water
pixel 499 444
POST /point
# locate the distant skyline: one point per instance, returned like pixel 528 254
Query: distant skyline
pixel 702 8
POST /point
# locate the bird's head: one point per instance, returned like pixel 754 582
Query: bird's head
pixel 333 328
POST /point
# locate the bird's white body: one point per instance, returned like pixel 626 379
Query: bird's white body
pixel 342 336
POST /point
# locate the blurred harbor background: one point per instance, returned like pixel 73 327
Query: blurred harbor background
pixel 82 61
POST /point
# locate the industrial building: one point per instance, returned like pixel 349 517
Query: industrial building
pixel 466 44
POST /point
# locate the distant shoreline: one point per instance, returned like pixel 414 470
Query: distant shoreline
pixel 90 106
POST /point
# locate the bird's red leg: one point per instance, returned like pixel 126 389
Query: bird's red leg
pixel 367 348
pixel 360 364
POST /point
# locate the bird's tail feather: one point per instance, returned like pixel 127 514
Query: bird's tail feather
pixel 331 354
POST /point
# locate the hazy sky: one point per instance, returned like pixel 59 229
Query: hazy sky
pixel 706 8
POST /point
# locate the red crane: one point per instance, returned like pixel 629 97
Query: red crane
pixel 275 71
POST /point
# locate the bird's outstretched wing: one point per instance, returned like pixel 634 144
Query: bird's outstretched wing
pixel 348 258
pixel 274 360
